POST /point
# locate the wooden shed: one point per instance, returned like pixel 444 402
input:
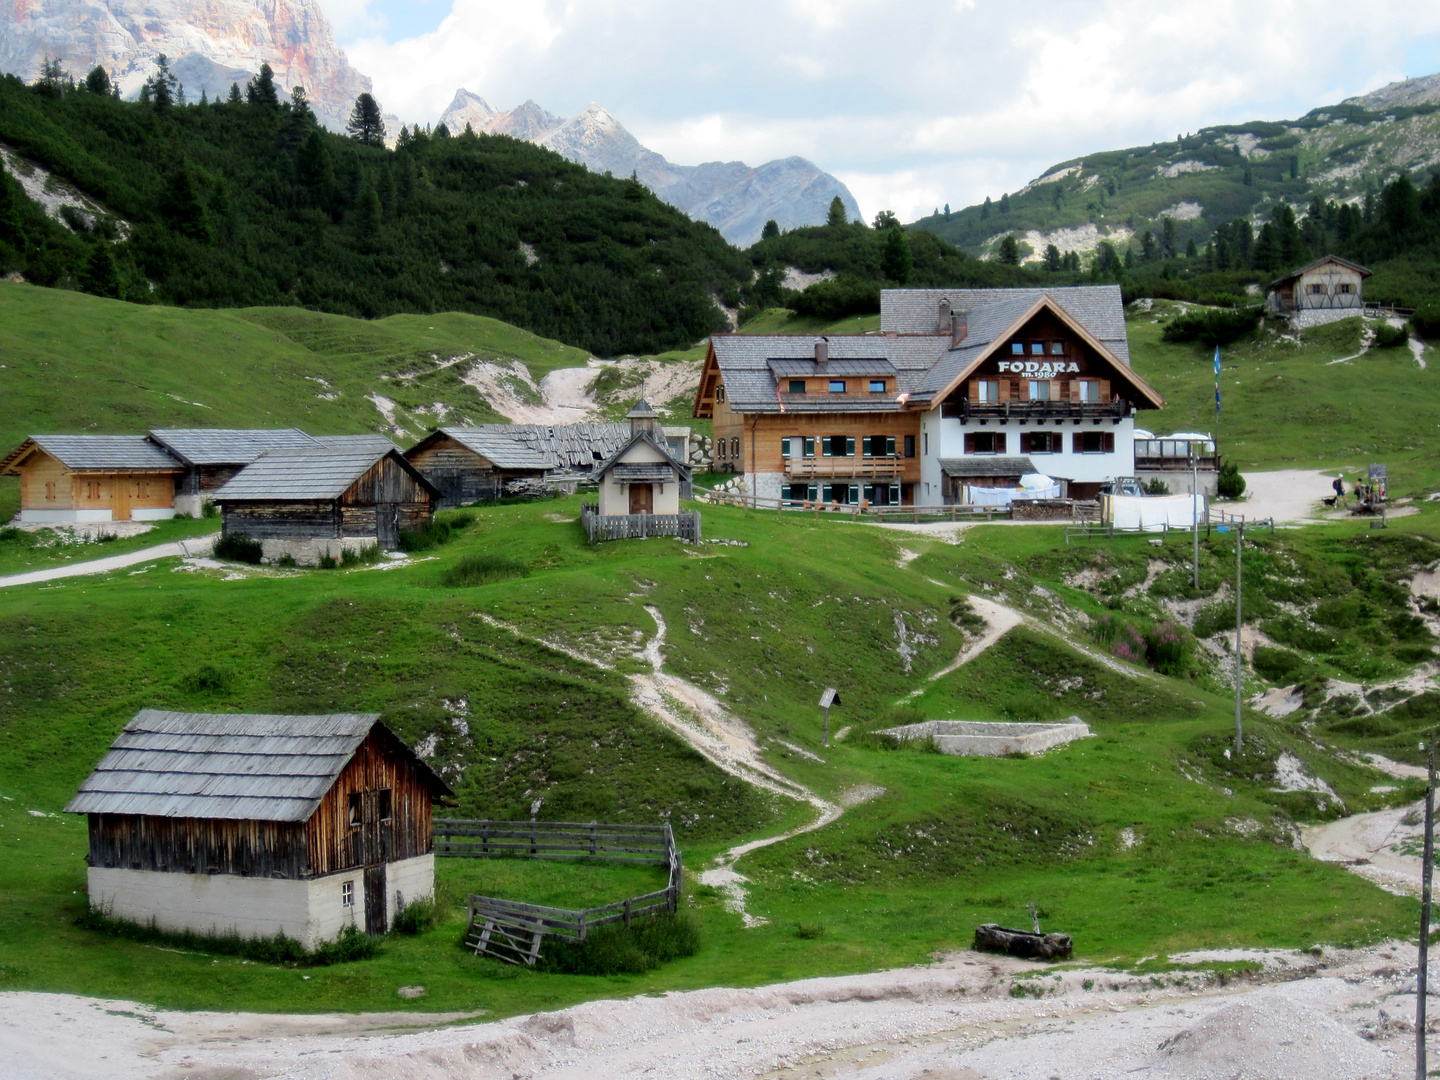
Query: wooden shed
pixel 259 824
pixel 314 503
pixel 212 456
pixel 468 464
pixel 92 478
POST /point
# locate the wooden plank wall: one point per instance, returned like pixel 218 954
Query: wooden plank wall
pixel 38 469
pixel 387 481
pixel 462 475
pixel 198 845
pixel 379 763
pixel 770 429
pixel 282 521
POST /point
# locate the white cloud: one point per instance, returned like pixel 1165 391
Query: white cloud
pixel 914 105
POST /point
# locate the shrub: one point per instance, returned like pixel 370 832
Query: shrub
pixel 287 560
pixel 327 562
pixel 483 569
pixel 1127 644
pixel 1211 328
pixel 838 298
pixel 417 916
pixel 9 532
pixel 1167 647
pixel 810 931
pixel 615 950
pixel 370 553
pixel 209 510
pixel 1229 484
pixel 1155 486
pixel 461 520
pixel 208 679
pixel 1426 321
pixel 1278 665
pixel 424 537
pixel 239 548
pixel 1390 337
pixel 1104 629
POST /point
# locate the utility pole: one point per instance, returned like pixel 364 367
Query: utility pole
pixel 1194 499
pixel 1239 622
pixel 1427 868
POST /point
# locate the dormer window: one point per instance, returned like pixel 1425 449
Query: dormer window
pixel 1037 348
pixel 877 386
pixel 1017 348
pixel 797 386
pixel 837 386
pixel 1057 348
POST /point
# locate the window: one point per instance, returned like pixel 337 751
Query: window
pixel 355 809
pixel 838 446
pixel 724 445
pixel 844 494
pixel 1057 348
pixel 1037 348
pixel 1345 288
pixel 882 494
pixel 1089 390
pixel 142 489
pixel 50 490
pixel 987 391
pixel 797 386
pixel 837 386
pixel 1094 442
pixel 926 439
pixel 1038 389
pixel 735 447
pixel 878 446
pixel 1017 348
pixel 801 492
pixel 909 445
pixel 719 393
pixel 985 442
pixel 877 386
pixel 347 894
pixel 1315 288
pixel 1040 442
pixel 382 804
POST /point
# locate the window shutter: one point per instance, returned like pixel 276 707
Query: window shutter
pixel 784 448
pixel 1078 443
pixel 1025 439
pixel 969 442
pixel 810 448
pixel 890 445
pixel 1057 442
pixel 854 494
pixel 1109 442
pixel 1004 395
pixel 1000 442
pixel 909 445
pixel 849 445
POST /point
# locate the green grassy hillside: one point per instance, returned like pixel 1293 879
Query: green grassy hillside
pixel 788 606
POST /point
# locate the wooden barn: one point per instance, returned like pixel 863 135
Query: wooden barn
pixel 468 464
pixel 314 503
pixel 92 478
pixel 212 456
pixel 259 824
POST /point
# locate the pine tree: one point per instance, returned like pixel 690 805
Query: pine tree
pixel 235 98
pixel 162 85
pixel 1005 203
pixel 771 230
pixel 1052 257
pixel 12 232
pixel 885 219
pixel 1147 248
pixel 947 211
pixel 896 261
pixel 260 91
pixel 836 215
pixel 369 216
pixel 184 207
pixel 366 125
pixel 98 81
pixel 443 132
pixel 985 208
pixel 1010 250
pixel 100 276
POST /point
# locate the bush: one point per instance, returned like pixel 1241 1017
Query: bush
pixel 238 548
pixel 417 916
pixel 425 537
pixel 287 560
pixel 1212 328
pixel 351 944
pixel 1167 648
pixel 483 569
pixel 209 510
pixel 327 562
pixel 208 679
pixel 810 931
pixel 1278 665
pixel 1426 321
pixel 370 553
pixel 1229 484
pixel 1390 337
pixel 1155 486
pixel 838 298
pixel 615 950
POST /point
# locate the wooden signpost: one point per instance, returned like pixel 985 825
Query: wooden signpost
pixel 828 698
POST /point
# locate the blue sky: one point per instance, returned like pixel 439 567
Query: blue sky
pixel 913 103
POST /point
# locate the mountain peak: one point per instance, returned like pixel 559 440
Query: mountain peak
pixel 1418 91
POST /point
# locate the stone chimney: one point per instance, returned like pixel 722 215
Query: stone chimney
pixel 822 354
pixel 944 322
pixel 642 418
pixel 959 327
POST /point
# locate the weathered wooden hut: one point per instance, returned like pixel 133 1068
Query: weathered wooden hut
pixel 212 456
pixel 92 478
pixel 314 503
pixel 574 450
pixel 259 824
pixel 468 464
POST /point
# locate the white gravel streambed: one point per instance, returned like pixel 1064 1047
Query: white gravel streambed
pixel 1339 1015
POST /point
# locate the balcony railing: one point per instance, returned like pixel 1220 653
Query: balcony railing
pixel 822 398
pixel 886 467
pixel 1033 411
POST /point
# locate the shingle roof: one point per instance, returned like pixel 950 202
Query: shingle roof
pixel 99 453
pixel 1361 270
pixel 650 468
pixel 372 441
pixel 228 446
pixel 247 766
pixel 1098 308
pixel 641 471
pixel 986 466
pixel 502 451
pixel 796 368
pixel 748 363
pixel 566 446
pixel 287 475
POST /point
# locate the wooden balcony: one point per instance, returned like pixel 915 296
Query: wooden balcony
pixel 1030 412
pixel 858 468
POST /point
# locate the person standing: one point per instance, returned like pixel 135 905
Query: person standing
pixel 1339 486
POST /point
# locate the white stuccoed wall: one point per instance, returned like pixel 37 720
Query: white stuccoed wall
pixel 49 517
pixel 410 878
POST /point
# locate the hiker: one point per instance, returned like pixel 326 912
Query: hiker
pixel 1339 486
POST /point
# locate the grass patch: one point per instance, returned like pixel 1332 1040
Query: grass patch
pixel 239 548
pixel 350 944
pixel 615 949
pixel 484 569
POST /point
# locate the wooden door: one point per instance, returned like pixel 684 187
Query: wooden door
pixel 642 499
pixel 120 498
pixel 387 529
pixel 376 921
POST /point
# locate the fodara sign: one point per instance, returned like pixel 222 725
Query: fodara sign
pixel 1041 369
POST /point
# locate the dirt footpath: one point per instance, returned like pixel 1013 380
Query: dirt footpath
pixel 1339 1015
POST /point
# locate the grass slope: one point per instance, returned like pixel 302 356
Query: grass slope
pixel 763 623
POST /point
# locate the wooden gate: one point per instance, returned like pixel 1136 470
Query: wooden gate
pixel 387 531
pixel 376 921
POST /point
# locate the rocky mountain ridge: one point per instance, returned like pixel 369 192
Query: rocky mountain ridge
pixel 211 43
pixel 734 197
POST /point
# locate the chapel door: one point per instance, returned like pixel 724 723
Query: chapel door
pixel 120 498
pixel 376 919
pixel 387 530
pixel 642 499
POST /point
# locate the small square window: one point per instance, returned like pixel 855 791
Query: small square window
pixel 1017 348
pixel 347 894
pixel 1057 348
pixel 1037 348
pixel 877 386
pixel 837 386
pixel 797 386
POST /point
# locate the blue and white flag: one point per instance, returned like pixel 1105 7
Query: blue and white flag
pixel 1217 380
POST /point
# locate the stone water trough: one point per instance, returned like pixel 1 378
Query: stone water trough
pixel 975 738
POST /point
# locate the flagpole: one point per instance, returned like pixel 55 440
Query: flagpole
pixel 1217 404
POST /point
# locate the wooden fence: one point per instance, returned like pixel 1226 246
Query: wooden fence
pixel 513 931
pixel 858 512
pixel 598 528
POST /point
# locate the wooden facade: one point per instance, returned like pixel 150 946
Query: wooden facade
pixel 46 484
pixel 461 474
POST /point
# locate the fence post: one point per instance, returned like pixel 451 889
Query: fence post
pixel 580 923
pixel 627 914
pixel 485 838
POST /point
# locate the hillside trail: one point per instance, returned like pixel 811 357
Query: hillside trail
pixel 196 545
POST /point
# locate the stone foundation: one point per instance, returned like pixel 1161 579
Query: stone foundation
pixel 309 552
pixel 972 738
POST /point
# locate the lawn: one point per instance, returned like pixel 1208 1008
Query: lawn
pixel 23 550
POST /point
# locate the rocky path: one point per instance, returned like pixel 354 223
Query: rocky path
pixel 199 545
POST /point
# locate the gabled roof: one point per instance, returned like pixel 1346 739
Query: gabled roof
pixel 316 474
pixel 245 766
pixel 1361 270
pixel 502 451
pixel 643 470
pixel 228 446
pixel 1100 309
pixel 97 453
pixel 566 446
pixel 371 441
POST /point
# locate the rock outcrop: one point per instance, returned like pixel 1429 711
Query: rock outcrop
pixel 211 43
pixel 734 197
